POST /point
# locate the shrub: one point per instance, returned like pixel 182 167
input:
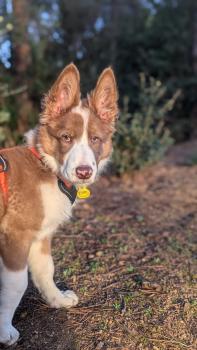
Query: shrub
pixel 8 136
pixel 142 137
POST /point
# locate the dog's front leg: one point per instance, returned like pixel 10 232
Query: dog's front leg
pixel 42 270
pixel 13 285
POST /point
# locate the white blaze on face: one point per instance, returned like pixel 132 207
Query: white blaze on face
pixel 81 153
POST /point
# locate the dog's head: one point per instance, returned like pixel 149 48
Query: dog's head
pixel 75 136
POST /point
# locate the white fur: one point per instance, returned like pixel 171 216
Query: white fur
pixel 57 209
pixel 42 269
pixel 81 153
pixel 13 285
pixel 84 113
pixel 48 160
pixel 30 136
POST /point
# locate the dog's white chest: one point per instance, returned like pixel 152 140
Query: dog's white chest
pixel 57 209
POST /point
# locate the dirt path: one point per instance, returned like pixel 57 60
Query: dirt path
pixel 130 255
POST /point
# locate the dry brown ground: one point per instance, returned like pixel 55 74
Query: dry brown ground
pixel 129 253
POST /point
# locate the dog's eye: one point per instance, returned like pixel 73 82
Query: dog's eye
pixel 66 138
pixel 95 139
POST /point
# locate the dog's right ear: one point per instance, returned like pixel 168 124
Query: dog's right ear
pixel 104 97
pixel 64 94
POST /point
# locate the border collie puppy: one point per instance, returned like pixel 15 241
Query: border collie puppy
pixel 39 182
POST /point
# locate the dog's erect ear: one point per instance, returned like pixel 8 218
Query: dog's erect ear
pixel 64 93
pixel 105 96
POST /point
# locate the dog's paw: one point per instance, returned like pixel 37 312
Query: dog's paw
pixel 8 335
pixel 71 297
pixel 65 299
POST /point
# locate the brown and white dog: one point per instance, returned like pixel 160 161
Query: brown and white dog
pixel 74 142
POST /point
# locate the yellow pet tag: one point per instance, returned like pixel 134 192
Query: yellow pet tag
pixel 83 192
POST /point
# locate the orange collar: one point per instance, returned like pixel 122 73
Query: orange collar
pixel 3 179
pixel 35 152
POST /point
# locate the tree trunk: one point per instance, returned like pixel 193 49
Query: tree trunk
pixel 22 60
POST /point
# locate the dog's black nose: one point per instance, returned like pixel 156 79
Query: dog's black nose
pixel 84 172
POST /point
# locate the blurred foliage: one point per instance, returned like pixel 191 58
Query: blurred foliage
pixel 39 37
pixel 142 137
pixel 8 136
pixel 4 116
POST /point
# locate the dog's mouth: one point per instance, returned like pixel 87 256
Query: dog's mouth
pixel 81 182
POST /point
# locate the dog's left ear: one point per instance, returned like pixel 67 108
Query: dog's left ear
pixel 64 94
pixel 105 96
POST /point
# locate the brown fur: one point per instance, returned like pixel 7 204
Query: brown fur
pixel 64 94
pixel 24 212
pixel 72 124
pixel 23 216
pixel 59 119
pixel 103 100
pixel 50 136
pixel 96 127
